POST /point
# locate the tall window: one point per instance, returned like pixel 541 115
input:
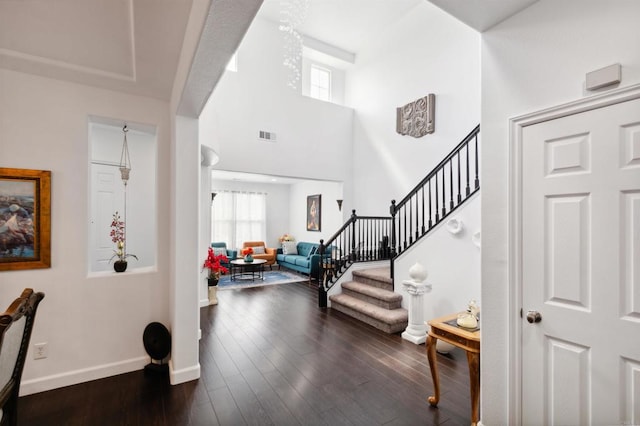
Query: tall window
pixel 238 217
pixel 320 83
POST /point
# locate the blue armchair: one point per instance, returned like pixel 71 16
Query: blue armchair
pixel 231 254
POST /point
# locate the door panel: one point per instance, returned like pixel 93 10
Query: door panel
pixel 568 363
pixel 567 246
pixel 630 248
pixel 581 268
pixel 107 198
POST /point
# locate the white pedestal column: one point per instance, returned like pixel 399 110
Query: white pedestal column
pixel 416 331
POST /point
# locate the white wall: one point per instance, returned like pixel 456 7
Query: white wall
pixel 452 262
pixel 331 218
pixel 312 136
pixel 425 52
pixel 93 326
pixel 534 60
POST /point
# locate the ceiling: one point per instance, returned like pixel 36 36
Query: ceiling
pixel 482 14
pixel 124 45
pixel 346 24
pixel 134 46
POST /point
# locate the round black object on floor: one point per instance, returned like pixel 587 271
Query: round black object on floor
pixel 157 343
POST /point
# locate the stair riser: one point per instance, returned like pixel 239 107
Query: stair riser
pixel 373 282
pixel 374 301
pixel 387 328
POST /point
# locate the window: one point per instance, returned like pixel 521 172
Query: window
pixel 238 217
pixel 320 83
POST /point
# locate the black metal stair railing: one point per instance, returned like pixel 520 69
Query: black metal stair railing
pixel 370 238
pixel 361 239
pixel 440 193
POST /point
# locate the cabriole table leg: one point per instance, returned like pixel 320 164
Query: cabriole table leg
pixel 431 354
pixel 473 358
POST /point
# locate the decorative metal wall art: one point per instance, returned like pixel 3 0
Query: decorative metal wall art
pixel 417 118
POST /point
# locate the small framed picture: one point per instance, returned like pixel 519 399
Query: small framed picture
pixel 25 219
pixel 314 210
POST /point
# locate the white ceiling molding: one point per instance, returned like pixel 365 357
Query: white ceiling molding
pixel 130 45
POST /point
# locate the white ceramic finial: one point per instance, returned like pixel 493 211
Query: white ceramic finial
pixel 418 273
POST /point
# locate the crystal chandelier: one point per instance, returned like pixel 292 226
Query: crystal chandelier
pixel 292 15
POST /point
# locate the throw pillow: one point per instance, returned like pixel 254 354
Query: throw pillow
pixel 258 250
pixel 312 252
pixel 219 250
pixel 289 247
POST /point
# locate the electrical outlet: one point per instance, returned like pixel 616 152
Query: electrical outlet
pixel 40 350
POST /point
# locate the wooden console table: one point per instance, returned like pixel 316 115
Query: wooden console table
pixel 468 340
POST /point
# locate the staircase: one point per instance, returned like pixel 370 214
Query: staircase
pixel 370 299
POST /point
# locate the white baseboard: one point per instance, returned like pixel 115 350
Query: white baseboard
pixel 28 387
pixel 185 375
pixel 204 302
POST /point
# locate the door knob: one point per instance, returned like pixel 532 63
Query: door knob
pixel 534 316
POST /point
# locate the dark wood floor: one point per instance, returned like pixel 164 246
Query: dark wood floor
pixel 269 356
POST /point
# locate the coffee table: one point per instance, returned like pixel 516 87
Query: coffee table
pixel 241 270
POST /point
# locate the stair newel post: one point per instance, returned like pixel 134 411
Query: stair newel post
pixel 322 292
pixel 393 211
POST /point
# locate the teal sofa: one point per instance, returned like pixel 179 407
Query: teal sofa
pixel 306 261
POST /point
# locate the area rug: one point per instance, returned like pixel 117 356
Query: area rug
pixel 270 278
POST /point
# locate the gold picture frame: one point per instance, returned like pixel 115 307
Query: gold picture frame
pixel 25 219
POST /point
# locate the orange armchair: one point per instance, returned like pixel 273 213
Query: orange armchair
pixel 261 251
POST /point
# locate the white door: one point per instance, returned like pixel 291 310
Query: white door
pixel 581 268
pixel 107 197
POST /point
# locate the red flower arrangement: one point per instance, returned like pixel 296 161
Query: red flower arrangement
pixel 247 251
pixel 212 263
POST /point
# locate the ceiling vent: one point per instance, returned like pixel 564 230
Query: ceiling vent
pixel 267 136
